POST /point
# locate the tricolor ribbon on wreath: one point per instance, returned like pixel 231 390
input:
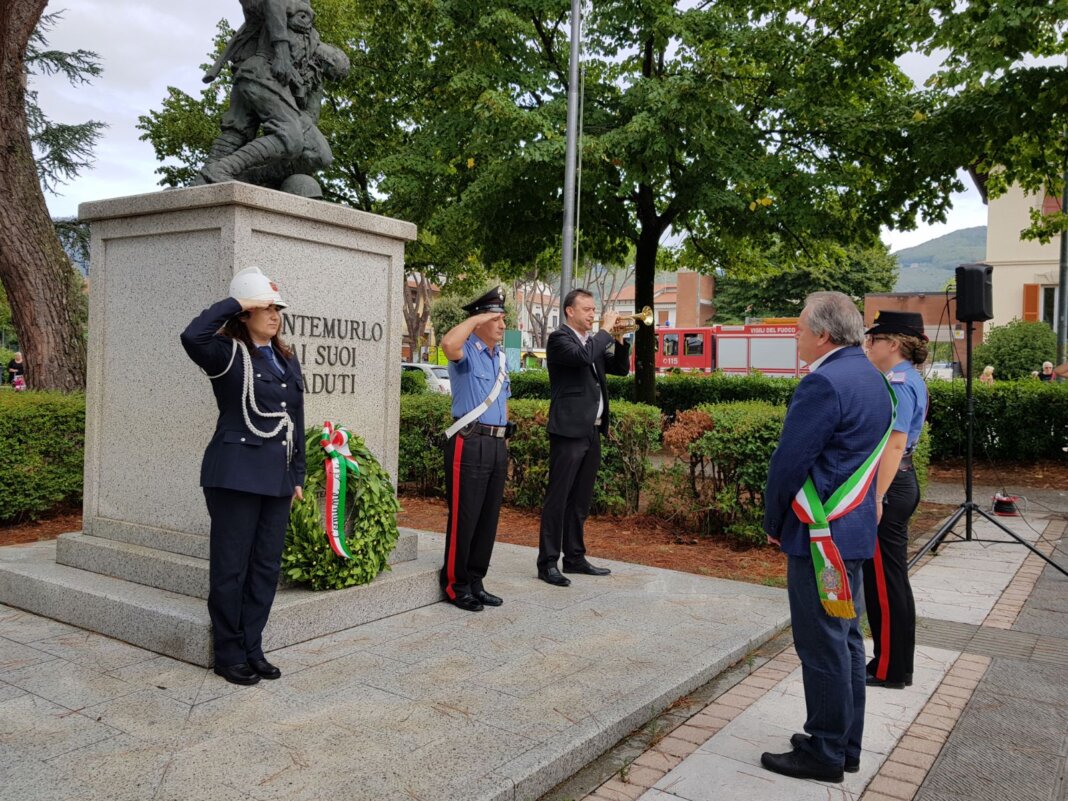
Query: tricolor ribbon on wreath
pixel 831 578
pixel 339 463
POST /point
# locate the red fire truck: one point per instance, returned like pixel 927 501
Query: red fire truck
pixel 769 347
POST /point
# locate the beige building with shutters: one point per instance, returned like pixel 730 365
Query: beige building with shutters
pixel 1026 272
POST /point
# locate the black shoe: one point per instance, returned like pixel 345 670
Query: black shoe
pixel 908 679
pixel 800 765
pixel 852 764
pixel 552 576
pixel 237 674
pixel 467 602
pixel 586 568
pixel 264 669
pixel 488 598
pixel 871 681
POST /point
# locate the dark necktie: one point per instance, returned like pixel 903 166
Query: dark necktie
pixel 272 360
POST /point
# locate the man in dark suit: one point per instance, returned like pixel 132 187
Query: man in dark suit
pixel 578 415
pixel 839 416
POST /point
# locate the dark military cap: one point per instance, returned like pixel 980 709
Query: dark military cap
pixel 492 301
pixel 897 322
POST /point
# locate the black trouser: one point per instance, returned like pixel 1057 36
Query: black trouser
pixel 573 466
pixel 887 592
pixel 476 467
pixel 248 532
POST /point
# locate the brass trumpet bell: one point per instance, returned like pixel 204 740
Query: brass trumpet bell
pixel 628 323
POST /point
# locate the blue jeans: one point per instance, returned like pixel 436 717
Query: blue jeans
pixel 832 664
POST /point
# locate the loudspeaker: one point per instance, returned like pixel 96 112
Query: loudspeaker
pixel 975 293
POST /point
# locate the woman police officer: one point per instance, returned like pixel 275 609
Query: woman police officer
pixel 253 467
pixel 895 344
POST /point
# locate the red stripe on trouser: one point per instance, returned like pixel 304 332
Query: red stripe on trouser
pixel 450 544
pixel 884 615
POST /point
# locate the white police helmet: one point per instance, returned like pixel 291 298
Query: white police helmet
pixel 252 284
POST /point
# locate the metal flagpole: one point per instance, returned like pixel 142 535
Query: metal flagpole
pixel 572 155
pixel 1062 288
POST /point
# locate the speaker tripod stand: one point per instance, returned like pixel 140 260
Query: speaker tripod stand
pixel 969 508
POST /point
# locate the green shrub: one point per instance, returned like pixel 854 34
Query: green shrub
pixel 371 523
pixel 1015 421
pixel 413 382
pixel 421 460
pixel 635 431
pixel 5 357
pixel 921 459
pixel 1015 349
pixel 734 457
pixel 42 439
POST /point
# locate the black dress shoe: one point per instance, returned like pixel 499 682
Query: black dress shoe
pixel 800 765
pixel 467 602
pixel 552 576
pixel 237 674
pixel 264 669
pixel 587 569
pixel 488 598
pixel 871 681
pixel 852 764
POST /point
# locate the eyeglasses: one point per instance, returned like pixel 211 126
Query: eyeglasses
pixel 871 340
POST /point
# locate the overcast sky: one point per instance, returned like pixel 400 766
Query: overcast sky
pixel 149 45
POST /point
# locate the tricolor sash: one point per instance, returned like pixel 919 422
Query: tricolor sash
pixel 831 578
pixel 339 463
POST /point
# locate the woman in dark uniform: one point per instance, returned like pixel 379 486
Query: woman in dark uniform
pixel 895 344
pixel 253 467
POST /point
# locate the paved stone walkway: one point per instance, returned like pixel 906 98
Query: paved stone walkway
pixel 434 703
pixel 986 716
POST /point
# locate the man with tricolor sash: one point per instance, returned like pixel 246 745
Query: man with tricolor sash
pixel 819 507
pixel 476 456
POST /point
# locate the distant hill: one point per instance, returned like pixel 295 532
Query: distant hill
pixel 927 267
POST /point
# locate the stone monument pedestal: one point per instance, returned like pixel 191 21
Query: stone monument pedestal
pixel 138 571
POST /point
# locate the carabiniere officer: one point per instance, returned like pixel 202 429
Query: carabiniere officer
pixel 476 456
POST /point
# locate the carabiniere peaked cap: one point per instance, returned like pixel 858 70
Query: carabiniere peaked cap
pixel 897 322
pixel 492 301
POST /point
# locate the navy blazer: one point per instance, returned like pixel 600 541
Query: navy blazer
pixel 236 458
pixel 837 417
pixel 577 379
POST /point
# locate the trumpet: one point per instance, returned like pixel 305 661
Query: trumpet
pixel 628 323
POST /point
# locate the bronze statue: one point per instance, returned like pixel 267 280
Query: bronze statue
pixel 269 134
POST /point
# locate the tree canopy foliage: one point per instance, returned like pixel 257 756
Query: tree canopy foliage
pixel 780 291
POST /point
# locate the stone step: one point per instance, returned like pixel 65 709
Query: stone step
pixel 176 624
pixel 165 570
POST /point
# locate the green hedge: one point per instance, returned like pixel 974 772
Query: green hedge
pixel 1015 421
pixel 676 392
pixel 635 432
pixel 42 438
pixel 413 382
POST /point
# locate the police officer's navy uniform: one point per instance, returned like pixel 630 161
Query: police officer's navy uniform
pixel 887 591
pixel 476 461
pixel 248 481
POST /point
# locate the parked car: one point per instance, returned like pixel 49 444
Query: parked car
pixel 437 376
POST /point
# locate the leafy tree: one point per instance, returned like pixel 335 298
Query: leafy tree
pixel 781 289
pixel 1015 349
pixel 1003 87
pixel 45 294
pixel 742 125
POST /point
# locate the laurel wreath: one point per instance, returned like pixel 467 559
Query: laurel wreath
pixel 370 509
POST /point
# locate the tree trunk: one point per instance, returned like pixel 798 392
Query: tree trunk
pixel 416 311
pixel 651 226
pixel 41 285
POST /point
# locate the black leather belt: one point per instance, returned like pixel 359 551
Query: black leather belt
pixel 501 432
